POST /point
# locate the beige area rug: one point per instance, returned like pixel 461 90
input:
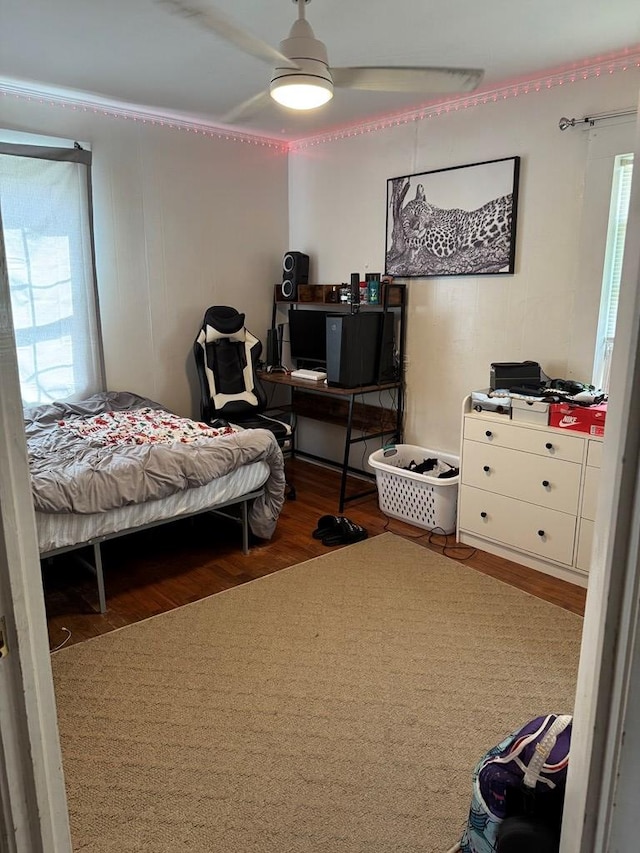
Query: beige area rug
pixel 336 706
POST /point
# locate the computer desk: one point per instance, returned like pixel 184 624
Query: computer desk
pixel 308 398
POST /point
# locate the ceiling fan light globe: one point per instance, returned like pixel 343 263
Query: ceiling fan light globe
pixel 309 85
pixel 300 92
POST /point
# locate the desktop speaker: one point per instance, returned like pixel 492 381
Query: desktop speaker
pixel 275 339
pixel 354 289
pixel 272 349
pixel 353 342
pixel 295 271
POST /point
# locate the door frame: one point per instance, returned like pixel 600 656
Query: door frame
pixel 600 810
pixel 33 805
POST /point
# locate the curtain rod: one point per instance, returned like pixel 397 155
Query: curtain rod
pixel 564 122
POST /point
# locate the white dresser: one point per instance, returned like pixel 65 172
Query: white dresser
pixel 528 493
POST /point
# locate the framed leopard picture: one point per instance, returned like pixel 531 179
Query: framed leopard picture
pixel 455 221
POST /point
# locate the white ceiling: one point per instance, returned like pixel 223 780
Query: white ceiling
pixel 138 52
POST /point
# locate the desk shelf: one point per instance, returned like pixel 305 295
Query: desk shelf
pixel 391 295
pixel 366 418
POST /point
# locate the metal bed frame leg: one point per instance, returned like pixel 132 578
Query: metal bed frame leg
pixel 96 570
pixel 97 558
pixel 245 528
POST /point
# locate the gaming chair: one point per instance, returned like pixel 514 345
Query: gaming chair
pixel 226 355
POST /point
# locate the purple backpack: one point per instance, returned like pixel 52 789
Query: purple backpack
pixel 524 774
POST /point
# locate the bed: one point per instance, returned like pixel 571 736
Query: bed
pixel 117 462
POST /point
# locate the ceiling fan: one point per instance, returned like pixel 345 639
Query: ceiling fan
pixel 302 78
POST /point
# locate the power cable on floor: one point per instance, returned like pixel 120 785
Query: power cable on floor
pixel 447 550
pixel 64 642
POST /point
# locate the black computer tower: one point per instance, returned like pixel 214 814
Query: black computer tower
pixel 353 348
pixel 387 371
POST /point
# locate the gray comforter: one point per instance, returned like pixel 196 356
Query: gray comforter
pixel 77 474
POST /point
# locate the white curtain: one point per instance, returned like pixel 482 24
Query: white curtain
pixel 46 214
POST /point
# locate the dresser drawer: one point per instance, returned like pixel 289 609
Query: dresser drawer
pixel 537 530
pixel 594 453
pixel 554 445
pixel 590 494
pixel 552 483
pixel 585 544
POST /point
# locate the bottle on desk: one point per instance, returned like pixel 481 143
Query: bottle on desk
pixel 373 288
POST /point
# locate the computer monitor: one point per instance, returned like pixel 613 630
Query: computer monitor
pixel 307 337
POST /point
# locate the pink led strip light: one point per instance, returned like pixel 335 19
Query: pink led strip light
pixel 79 103
pixel 623 61
pixel 627 60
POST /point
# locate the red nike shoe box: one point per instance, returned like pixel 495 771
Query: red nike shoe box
pixel 589 419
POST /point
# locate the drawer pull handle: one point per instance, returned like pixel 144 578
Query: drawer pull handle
pixel 549 446
pixel 483 515
pixel 546 484
pixel 486 468
pixel 488 433
pixel 541 533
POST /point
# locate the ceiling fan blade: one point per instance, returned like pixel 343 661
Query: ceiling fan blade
pixel 247 108
pixel 205 15
pixel 432 81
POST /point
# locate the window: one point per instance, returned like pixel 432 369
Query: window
pixel 46 221
pixel 616 231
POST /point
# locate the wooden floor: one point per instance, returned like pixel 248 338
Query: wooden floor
pixel 164 567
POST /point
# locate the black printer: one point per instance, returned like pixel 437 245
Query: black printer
pixel 512 374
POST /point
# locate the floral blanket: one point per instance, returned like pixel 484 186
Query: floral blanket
pixel 117 448
pixel 141 426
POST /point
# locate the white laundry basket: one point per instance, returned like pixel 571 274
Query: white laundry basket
pixel 419 499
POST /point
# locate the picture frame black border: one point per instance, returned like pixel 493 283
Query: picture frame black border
pixel 514 219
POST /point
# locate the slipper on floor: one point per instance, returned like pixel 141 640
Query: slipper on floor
pixel 347 533
pixel 327 525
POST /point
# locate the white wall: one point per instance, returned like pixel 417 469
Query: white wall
pixel 183 221
pixel 459 325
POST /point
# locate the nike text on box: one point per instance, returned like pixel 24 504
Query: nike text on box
pixel 590 419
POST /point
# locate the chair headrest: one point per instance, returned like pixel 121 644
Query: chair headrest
pixel 223 318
